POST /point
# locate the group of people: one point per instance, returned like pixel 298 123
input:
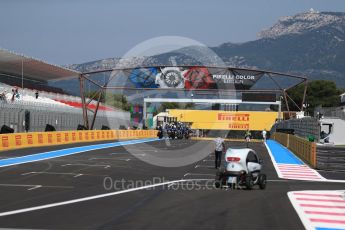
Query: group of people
pixel 15 95
pixel 174 130
pixel 3 96
pixel 248 135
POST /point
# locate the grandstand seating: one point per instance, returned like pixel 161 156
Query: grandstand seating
pixel 27 96
pixel 90 106
pixel 60 110
pixel 29 84
pixel 48 99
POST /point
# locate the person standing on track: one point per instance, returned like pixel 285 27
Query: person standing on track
pixel 247 137
pixel 219 148
pixel 264 135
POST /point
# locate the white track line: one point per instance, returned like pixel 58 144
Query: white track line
pixel 113 159
pixel 53 173
pixel 143 150
pixel 198 174
pixel 203 166
pixel 34 186
pixel 128 154
pixel 40 207
pixel 104 166
pixel 61 173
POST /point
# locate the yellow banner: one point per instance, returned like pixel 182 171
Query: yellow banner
pixel 24 140
pixel 225 120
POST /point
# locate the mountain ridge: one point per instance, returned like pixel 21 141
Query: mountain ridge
pixel 310 43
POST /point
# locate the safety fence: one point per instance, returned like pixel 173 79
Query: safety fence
pixel 25 140
pixel 331 112
pixel 305 127
pixel 302 148
pixel 29 118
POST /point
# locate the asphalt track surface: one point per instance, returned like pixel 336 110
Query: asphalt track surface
pixel 186 205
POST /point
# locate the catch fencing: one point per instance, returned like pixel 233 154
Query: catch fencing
pixel 304 127
pixel 24 117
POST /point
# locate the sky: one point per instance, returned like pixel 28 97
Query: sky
pixel 76 31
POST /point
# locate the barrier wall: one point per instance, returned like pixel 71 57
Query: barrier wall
pixel 302 148
pixel 25 140
pixel 282 138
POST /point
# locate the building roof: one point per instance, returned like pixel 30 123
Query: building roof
pixel 13 64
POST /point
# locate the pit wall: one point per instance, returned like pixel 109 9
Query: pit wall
pixel 26 140
pixel 302 148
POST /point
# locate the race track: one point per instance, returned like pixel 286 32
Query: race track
pixel 47 194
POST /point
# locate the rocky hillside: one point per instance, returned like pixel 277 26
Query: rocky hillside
pixel 304 22
pixel 310 43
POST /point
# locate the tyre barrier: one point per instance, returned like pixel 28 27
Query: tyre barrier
pixel 330 158
pixel 36 139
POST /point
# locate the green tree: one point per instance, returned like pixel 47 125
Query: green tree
pixel 189 105
pixel 94 95
pixel 118 101
pixel 174 105
pixel 168 105
pixel 320 92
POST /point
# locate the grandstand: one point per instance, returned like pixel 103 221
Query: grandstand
pixel 21 77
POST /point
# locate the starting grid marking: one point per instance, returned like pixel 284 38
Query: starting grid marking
pixel 320 210
pixel 62 173
pixel 88 165
pixel 35 186
pixel 54 173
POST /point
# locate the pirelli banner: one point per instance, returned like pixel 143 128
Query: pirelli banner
pixel 24 140
pixel 223 120
pixel 191 77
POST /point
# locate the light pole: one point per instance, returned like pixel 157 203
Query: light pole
pixel 22 74
pixel 280 108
